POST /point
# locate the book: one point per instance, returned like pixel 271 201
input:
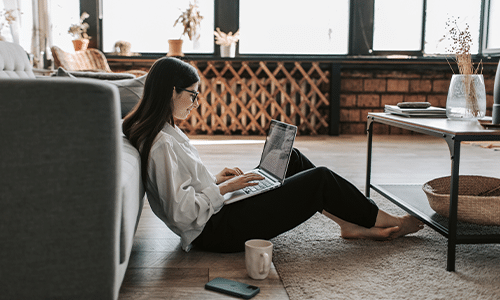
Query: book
pixel 429 112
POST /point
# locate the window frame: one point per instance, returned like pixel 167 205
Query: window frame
pixel 485 16
pixel 419 53
pixel 360 43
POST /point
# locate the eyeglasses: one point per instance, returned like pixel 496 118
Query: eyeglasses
pixel 194 93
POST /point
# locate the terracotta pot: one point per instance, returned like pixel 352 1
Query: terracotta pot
pixel 80 44
pixel 175 48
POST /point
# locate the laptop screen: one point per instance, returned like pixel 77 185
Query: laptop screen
pixel 277 149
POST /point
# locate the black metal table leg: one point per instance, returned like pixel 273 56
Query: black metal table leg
pixel 452 221
pixel 369 130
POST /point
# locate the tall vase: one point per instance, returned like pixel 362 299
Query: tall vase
pixel 196 42
pixel 466 98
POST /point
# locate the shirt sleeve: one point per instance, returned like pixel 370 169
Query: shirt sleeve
pixel 187 192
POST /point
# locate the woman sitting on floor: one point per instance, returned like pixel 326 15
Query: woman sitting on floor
pixel 189 199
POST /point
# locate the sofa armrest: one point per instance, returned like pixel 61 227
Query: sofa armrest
pixel 60 204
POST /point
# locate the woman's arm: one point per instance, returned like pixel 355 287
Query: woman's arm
pixel 186 192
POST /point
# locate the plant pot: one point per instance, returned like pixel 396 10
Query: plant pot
pixel 175 48
pixel 466 98
pixel 80 44
pixel 228 51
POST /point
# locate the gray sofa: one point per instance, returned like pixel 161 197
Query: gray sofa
pixel 70 188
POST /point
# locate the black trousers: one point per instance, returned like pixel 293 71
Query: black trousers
pixel 307 189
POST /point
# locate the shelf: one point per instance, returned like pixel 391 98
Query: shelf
pixel 412 199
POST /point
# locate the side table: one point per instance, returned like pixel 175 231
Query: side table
pixel 411 198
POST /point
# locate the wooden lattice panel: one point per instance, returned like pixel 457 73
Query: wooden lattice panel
pixel 243 97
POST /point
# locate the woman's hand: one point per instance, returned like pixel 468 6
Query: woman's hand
pixel 239 182
pixel 226 174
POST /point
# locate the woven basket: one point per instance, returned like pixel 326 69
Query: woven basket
pixel 478 198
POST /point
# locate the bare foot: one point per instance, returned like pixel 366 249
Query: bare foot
pixel 389 227
pixel 409 224
pixel 353 231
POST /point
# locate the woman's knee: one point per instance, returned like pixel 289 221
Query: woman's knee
pixel 298 163
pixel 327 180
pixel 322 173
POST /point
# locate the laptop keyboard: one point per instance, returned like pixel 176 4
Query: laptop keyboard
pixel 263 184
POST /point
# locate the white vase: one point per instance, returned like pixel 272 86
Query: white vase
pixel 466 98
pixel 228 51
pixel 196 43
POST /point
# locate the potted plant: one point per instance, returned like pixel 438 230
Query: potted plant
pixel 191 21
pixel 227 42
pixel 79 33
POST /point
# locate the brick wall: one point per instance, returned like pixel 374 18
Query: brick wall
pixel 369 86
pixel 364 91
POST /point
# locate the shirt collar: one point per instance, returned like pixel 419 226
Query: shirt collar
pixel 175 132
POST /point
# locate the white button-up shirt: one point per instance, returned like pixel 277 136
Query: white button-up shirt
pixel 180 189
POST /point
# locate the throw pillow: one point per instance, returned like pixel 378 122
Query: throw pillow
pixel 130 89
pixel 130 92
pixel 62 73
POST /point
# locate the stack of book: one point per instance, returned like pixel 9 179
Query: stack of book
pixel 428 112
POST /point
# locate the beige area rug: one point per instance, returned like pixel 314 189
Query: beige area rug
pixel 315 263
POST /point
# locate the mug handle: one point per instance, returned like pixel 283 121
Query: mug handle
pixel 265 263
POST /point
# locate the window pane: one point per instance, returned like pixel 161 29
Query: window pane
pixel 494 25
pixel 397 25
pixel 24 23
pixel 437 37
pixel 306 27
pixel 148 27
pixel 63 14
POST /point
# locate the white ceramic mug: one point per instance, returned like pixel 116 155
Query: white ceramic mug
pixel 258 256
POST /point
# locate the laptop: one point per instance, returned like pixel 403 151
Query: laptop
pixel 273 162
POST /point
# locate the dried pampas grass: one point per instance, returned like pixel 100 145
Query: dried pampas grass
pixel 461 48
pixel 191 20
pixel 224 39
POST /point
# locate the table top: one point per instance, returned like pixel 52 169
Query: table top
pixel 442 125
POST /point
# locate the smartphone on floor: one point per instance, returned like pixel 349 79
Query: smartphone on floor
pixel 233 288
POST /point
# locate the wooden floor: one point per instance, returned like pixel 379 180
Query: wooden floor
pixel 159 269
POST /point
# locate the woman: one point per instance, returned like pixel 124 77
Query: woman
pixel 189 199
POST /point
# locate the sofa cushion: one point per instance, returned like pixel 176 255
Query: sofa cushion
pixel 93 74
pixel 130 89
pixel 14 62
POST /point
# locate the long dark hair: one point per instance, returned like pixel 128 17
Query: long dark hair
pixel 155 108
